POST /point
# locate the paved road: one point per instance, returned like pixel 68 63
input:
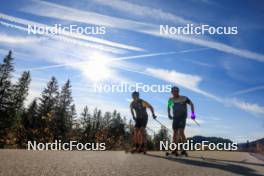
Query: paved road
pixel 59 163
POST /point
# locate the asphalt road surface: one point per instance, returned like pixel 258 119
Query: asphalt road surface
pixel 118 163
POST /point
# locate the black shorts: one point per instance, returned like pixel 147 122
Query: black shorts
pixel 141 122
pixel 178 123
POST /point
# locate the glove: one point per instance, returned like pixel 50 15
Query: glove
pixel 170 117
pixel 154 116
pixel 193 116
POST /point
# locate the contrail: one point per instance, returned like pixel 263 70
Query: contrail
pixel 121 58
pixel 161 53
pixel 252 89
pixel 111 59
pixel 67 39
pixel 72 35
pixel 143 56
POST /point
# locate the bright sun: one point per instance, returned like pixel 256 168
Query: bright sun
pixel 97 68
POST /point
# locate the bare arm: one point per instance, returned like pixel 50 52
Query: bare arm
pixel 151 109
pixel 192 106
pixel 132 111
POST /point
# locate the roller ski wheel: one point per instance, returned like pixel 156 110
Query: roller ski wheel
pixel 184 153
pixel 134 150
pixel 142 150
pixel 173 153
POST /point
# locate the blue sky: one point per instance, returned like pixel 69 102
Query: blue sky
pixel 222 74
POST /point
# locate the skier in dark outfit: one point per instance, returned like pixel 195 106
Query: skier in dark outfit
pixel 178 104
pixel 139 107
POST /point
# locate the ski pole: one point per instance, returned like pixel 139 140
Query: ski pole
pixel 196 122
pixel 163 125
pixel 160 123
pixel 150 130
pixel 168 128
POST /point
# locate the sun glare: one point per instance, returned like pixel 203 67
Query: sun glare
pixel 97 69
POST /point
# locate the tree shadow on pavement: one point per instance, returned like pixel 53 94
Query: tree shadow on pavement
pixel 233 168
pixel 219 160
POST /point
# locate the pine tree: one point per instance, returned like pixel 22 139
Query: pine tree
pixel 98 119
pixel 117 130
pixel 85 118
pixel 26 131
pixel 20 92
pixel 106 120
pixel 32 119
pixel 6 69
pixel 49 99
pixel 86 122
pixel 73 115
pixel 162 135
pixel 47 111
pixel 5 81
pixel 94 120
pixel 65 111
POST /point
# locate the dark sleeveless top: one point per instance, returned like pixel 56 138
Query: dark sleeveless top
pixel 141 111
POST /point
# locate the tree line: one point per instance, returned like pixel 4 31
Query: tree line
pixel 52 116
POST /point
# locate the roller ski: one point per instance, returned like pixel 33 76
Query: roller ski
pixel 138 149
pixel 184 153
pixel 134 149
pixel 175 153
pixel 142 149
pixel 172 153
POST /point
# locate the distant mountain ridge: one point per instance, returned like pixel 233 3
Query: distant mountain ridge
pixel 256 146
pixel 199 139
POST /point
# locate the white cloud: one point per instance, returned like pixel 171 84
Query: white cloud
pixel 186 80
pixel 4 38
pixel 53 10
pixel 253 108
pixel 142 11
pixel 48 9
pixel 215 45
pixel 94 42
pixel 192 82
pixel 70 41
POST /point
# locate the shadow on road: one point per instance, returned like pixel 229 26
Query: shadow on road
pixel 259 156
pixel 220 160
pixel 233 168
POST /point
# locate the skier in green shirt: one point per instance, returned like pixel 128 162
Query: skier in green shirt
pixel 178 104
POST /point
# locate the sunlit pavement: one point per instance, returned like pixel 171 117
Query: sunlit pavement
pixel 33 163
